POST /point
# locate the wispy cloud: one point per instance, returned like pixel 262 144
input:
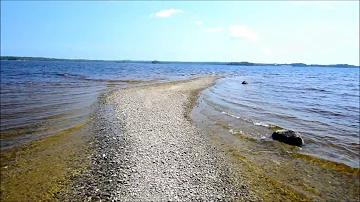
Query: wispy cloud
pixel 199 22
pixel 166 13
pixel 241 31
pixel 214 29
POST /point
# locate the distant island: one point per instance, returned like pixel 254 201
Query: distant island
pixel 244 63
pixel 241 63
pixel 19 58
pixel 291 64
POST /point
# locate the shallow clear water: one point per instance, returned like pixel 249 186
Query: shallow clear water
pixel 42 97
pixel 320 103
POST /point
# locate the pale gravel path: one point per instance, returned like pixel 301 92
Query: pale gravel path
pixel 149 151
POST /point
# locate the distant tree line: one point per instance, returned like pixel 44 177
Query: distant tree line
pixel 40 59
pixel 174 62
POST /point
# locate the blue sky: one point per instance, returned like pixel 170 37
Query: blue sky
pixel 278 31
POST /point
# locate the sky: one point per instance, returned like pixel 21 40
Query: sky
pixel 312 32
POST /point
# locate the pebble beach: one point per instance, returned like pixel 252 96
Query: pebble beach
pixel 147 149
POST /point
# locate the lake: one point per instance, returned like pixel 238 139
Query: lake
pixel 41 98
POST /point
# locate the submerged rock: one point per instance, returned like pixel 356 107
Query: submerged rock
pixel 244 82
pixel 288 137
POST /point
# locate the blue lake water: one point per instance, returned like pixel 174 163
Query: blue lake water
pixel 40 98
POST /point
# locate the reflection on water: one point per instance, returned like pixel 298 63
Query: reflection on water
pixel 42 97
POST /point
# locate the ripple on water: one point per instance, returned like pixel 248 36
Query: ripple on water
pixel 318 102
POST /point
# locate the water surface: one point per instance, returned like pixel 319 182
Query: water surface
pixel 40 98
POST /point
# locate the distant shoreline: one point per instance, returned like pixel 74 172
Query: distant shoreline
pixel 21 58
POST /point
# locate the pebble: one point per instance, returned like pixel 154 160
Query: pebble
pixel 153 152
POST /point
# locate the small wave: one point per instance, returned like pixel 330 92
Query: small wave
pixel 65 75
pixel 114 80
pixel 324 112
pixel 81 77
pixel 255 122
pixel 74 76
pixel 237 117
pixel 314 89
pixel 261 124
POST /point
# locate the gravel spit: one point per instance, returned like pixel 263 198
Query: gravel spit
pixel 146 149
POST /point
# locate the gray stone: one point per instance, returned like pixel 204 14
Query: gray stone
pixel 288 137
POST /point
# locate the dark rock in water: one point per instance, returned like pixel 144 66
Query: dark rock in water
pixel 288 137
pixel 66 75
pixel 244 82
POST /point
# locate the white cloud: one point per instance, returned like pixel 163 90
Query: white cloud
pixel 241 31
pixel 166 13
pixel 214 29
pixel 199 22
pixel 266 50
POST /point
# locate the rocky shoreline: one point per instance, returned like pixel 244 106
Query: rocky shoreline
pixel 146 149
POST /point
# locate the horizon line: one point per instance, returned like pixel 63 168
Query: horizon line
pixel 136 60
